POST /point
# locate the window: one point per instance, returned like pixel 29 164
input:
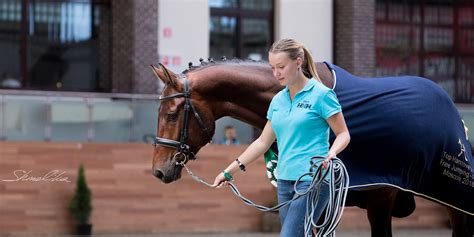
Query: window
pixel 55 44
pixel 431 38
pixel 241 28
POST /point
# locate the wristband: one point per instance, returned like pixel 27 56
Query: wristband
pixel 227 176
pixel 241 166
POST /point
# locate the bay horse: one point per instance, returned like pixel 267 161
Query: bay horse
pixel 191 102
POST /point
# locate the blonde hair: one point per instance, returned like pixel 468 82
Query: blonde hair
pixel 296 50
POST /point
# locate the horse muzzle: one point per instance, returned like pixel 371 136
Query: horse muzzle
pixel 168 175
pixel 171 170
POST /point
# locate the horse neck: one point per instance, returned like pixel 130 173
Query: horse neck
pixel 242 91
pixel 239 91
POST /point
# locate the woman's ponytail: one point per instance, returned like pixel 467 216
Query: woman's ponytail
pixel 309 68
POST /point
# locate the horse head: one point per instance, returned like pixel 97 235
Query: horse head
pixel 185 124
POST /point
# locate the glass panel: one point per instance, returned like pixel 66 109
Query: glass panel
pixel 65 46
pixel 441 70
pixel 77 119
pixel 396 50
pixel 223 3
pixel 398 12
pixel 465 82
pixel 466 40
pixel 223 36
pixel 446 15
pixel 255 39
pixel 466 16
pixel 439 66
pixel 10 30
pixel 244 131
pixel 112 121
pixel 438 15
pixel 257 5
pixel 145 120
pixel 25 118
pixel 416 14
pixel 69 120
pixel 438 39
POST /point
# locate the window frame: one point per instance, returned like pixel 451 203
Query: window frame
pixel 24 41
pixel 240 13
pixel 422 53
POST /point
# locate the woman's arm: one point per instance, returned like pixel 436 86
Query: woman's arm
pixel 339 127
pixel 253 151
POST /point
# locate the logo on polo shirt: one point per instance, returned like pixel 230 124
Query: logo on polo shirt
pixel 304 105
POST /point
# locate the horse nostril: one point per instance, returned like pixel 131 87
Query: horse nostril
pixel 159 174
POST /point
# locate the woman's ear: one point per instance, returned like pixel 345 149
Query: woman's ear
pixel 299 62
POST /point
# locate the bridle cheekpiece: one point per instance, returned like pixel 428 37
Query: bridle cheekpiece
pixel 183 148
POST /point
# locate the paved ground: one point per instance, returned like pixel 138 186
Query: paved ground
pixel 354 233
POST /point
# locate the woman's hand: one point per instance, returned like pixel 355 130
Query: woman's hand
pixel 220 181
pixel 339 127
pixel 331 154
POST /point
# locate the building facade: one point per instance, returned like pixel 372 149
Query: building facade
pixel 77 71
pixel 106 47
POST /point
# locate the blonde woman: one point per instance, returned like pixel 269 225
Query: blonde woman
pixel 299 118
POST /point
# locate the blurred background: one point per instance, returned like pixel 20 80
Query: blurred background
pixel 76 88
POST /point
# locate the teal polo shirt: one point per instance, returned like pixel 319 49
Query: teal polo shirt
pixel 300 127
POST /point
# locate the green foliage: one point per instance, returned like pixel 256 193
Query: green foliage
pixel 80 205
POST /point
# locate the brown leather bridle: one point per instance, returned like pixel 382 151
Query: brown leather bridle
pixel 181 146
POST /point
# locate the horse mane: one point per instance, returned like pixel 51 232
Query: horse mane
pixel 223 61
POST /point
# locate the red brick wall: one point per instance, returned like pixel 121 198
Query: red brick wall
pixel 128 199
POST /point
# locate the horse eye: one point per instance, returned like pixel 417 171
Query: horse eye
pixel 172 117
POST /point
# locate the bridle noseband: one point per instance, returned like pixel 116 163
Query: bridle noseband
pixel 181 146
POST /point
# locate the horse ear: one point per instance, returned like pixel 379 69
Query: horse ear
pixel 165 75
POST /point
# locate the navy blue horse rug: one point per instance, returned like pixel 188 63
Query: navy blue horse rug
pixel 406 132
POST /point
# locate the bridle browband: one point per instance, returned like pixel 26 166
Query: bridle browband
pixel 181 146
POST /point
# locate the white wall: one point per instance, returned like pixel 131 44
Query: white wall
pixel 309 22
pixel 183 32
pixel 188 23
